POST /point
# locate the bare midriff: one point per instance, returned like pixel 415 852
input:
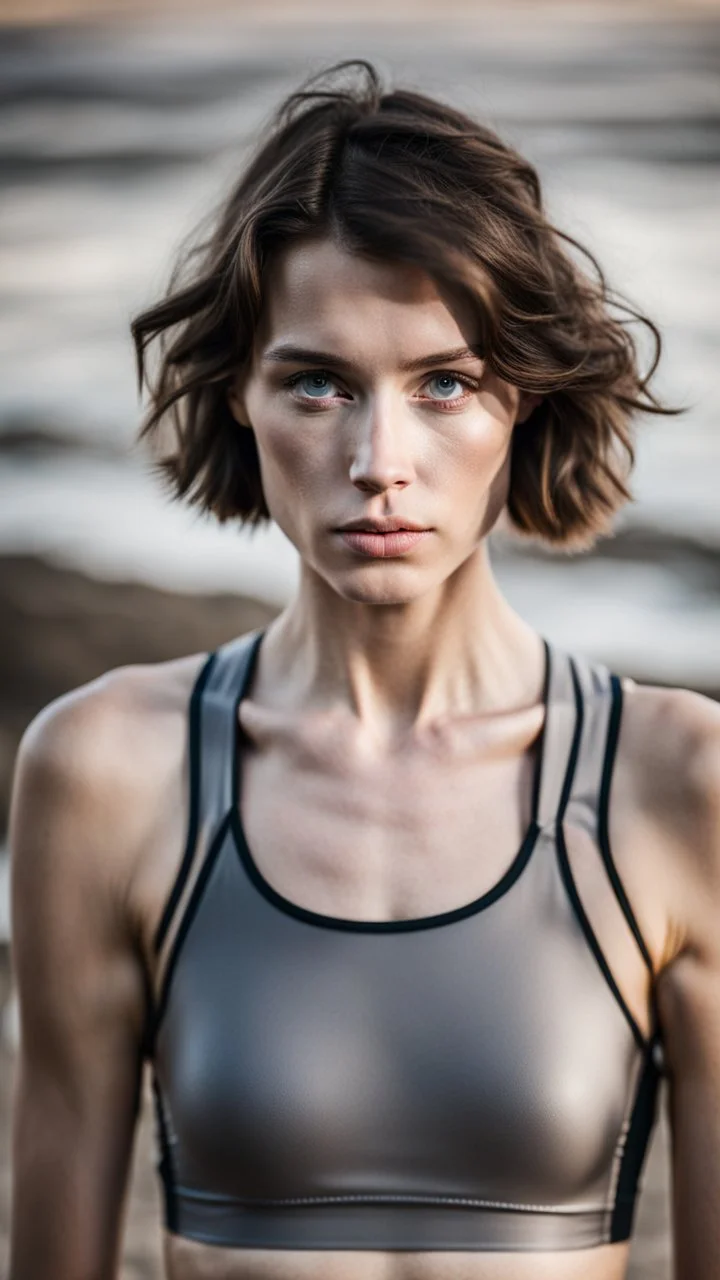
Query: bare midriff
pixel 186 1260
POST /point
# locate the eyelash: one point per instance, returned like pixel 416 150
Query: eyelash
pixel 470 383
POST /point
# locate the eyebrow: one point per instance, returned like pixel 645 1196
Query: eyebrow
pixel 288 353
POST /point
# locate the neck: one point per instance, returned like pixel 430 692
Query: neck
pixel 458 650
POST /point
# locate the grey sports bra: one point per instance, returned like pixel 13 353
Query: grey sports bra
pixel 472 1080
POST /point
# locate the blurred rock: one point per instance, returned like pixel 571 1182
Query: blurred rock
pixel 61 629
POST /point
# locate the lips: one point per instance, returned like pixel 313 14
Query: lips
pixel 381 546
pixel 383 524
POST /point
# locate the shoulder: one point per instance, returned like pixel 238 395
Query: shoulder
pixel 670 741
pixel 91 765
pixel 668 769
pixel 103 729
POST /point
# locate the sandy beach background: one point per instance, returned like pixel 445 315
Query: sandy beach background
pixel 121 125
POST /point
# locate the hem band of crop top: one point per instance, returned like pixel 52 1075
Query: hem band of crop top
pixel 472 1080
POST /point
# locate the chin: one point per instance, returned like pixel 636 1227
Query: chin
pixel 384 586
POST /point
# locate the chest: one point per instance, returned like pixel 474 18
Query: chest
pixel 332 1049
pixel 477 1054
pixel 406 837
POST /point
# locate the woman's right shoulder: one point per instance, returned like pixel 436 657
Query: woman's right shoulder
pixel 94 762
pixel 94 725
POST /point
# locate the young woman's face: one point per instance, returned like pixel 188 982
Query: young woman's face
pixel 367 402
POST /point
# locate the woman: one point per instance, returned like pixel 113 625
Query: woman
pixel 407 908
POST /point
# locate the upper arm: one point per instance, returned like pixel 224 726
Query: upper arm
pixel 81 992
pixel 689 988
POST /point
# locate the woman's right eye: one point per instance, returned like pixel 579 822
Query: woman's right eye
pixel 315 386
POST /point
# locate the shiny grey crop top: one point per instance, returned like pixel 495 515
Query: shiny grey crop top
pixel 471 1080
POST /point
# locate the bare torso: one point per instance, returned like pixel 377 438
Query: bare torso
pixel 188 1261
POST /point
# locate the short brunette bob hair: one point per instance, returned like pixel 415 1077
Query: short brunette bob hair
pixel 401 177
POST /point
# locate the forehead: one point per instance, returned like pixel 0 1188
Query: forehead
pixel 320 294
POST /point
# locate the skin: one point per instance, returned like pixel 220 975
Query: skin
pixel 391 684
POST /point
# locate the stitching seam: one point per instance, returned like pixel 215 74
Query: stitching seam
pixel 407 1199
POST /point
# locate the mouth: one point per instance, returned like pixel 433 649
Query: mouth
pixel 384 524
pixel 379 545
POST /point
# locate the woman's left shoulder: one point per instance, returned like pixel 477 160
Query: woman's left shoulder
pixel 674 729
pixel 669 752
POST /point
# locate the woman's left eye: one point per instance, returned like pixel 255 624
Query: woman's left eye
pixel 446 386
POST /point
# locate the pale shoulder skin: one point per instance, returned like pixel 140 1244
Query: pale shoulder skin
pixel 98 820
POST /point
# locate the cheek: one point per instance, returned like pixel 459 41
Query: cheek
pixel 474 472
pixel 284 448
pixel 290 451
pixel 479 449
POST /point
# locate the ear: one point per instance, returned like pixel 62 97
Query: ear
pixel 526 404
pixel 236 403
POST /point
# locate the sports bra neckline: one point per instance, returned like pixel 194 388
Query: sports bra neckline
pixel 405 924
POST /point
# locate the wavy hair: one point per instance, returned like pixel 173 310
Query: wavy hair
pixel 399 176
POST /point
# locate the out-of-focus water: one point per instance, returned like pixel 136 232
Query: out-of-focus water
pixel 114 141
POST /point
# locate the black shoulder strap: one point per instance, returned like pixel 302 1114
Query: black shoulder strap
pixel 560 740
pixel 218 689
pixel 613 733
pixel 602 697
pixel 219 726
pixel 601 693
pixel 193 759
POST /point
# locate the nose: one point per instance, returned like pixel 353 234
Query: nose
pixel 381 457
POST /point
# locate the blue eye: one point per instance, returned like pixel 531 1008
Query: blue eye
pixel 448 386
pixel 315 385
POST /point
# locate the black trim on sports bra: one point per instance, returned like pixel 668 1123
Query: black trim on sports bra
pixel 575 748
pixel 641 1123
pixel 566 871
pixel 568 881
pixel 603 819
pixel 165 1166
pixel 326 921
pixel 290 908
pixel 184 926
pixel 540 744
pixel 194 765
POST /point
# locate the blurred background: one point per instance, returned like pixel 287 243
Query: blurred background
pixel 120 127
